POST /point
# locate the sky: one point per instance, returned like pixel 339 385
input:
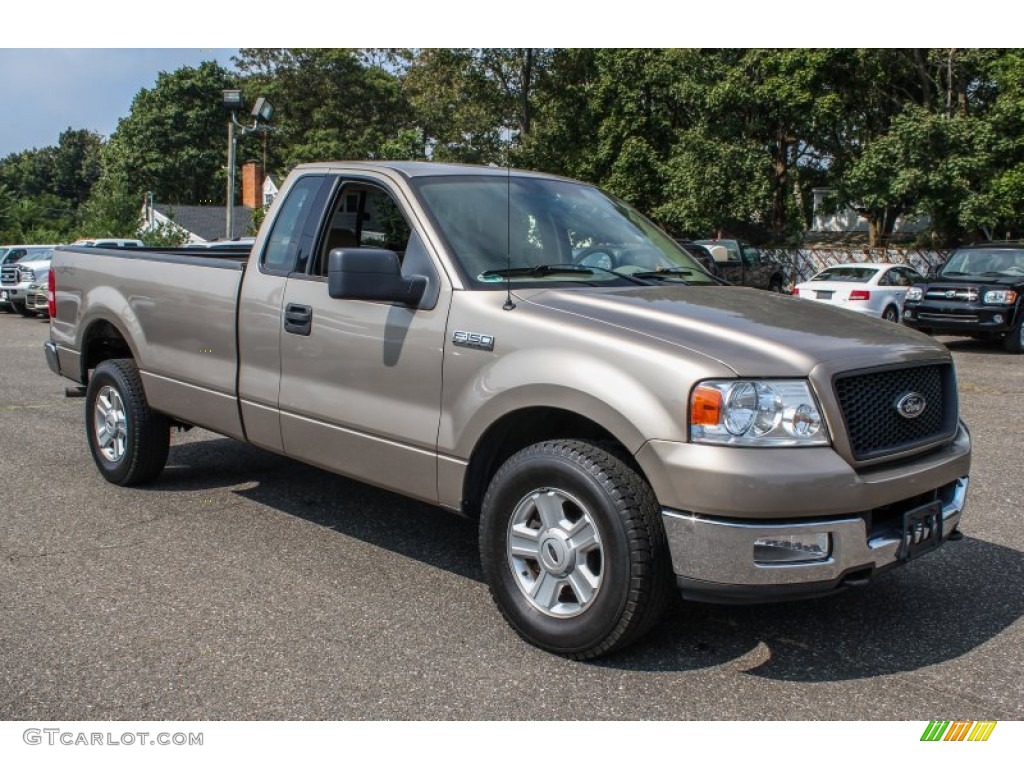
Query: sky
pixel 46 91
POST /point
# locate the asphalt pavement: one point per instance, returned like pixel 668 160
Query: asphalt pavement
pixel 243 585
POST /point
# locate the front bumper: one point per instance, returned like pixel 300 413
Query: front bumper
pixel 14 291
pixel 959 319
pixel 713 558
pixel 37 298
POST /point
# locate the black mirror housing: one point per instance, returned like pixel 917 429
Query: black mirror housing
pixel 371 274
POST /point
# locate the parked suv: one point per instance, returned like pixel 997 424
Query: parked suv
pixel 978 292
pixel 23 265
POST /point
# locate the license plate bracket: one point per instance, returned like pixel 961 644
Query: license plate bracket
pixel 922 530
pixel 824 295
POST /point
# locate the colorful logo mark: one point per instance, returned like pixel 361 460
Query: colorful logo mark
pixel 958 730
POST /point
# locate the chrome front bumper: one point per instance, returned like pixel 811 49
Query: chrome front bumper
pixel 714 558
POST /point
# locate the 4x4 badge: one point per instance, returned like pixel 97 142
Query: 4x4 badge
pixel 911 405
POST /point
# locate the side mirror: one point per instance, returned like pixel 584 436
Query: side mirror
pixel 371 274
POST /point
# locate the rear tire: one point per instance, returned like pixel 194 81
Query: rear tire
pixel 573 549
pixel 891 314
pixel 129 441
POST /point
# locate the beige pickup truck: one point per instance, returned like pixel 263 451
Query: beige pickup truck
pixel 530 352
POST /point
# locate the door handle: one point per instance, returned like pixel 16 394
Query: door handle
pixel 298 319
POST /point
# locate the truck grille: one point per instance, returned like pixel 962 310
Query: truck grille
pixel 952 294
pixel 875 426
pixel 9 276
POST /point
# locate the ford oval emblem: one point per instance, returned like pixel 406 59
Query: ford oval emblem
pixel 911 405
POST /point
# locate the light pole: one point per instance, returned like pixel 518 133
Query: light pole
pixel 261 114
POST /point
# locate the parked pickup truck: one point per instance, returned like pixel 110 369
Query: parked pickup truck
pixel 532 353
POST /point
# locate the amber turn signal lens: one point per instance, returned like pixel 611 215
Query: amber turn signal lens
pixel 705 407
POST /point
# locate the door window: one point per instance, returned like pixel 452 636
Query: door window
pixel 364 216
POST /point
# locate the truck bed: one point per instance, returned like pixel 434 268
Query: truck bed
pixel 181 306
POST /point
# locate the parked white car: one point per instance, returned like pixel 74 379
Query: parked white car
pixel 872 289
pixel 110 242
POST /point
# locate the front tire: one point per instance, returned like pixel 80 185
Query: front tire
pixel 129 441
pixel 21 309
pixel 1014 341
pixel 573 549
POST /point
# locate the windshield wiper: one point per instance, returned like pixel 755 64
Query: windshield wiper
pixel 663 274
pixel 541 270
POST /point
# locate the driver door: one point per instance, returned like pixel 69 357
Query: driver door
pixel 361 380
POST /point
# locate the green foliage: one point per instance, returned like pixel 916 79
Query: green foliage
pixel 164 235
pixel 112 210
pixel 174 141
pixel 329 103
pixel 709 141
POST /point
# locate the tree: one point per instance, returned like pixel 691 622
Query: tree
pixel 912 136
pixel 173 142
pixel 455 106
pixel 77 164
pixel 329 103
pixel 997 210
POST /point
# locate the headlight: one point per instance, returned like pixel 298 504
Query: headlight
pixel 26 274
pixel 914 294
pixel 999 297
pixel 780 413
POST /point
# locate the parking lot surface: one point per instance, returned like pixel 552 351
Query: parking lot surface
pixel 243 585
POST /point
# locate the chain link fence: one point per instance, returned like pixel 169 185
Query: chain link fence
pixel 803 263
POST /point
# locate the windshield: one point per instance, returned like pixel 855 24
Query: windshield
pixel 846 274
pixel 533 229
pixel 989 262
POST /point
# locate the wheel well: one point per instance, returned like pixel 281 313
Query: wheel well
pixel 515 431
pixel 102 342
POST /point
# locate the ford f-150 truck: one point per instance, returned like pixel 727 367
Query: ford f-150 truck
pixel 535 354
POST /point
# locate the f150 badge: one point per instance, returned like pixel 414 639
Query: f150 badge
pixel 473 340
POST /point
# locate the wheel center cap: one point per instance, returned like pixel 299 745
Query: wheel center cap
pixel 554 552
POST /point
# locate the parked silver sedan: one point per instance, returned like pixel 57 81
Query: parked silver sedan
pixel 871 289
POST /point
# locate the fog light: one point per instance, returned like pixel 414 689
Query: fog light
pixel 792 548
pixel 909 314
pixel 997 318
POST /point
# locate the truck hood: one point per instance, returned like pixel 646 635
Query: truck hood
pixel 944 281
pixel 755 333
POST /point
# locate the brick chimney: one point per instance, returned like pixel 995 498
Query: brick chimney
pixel 252 184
